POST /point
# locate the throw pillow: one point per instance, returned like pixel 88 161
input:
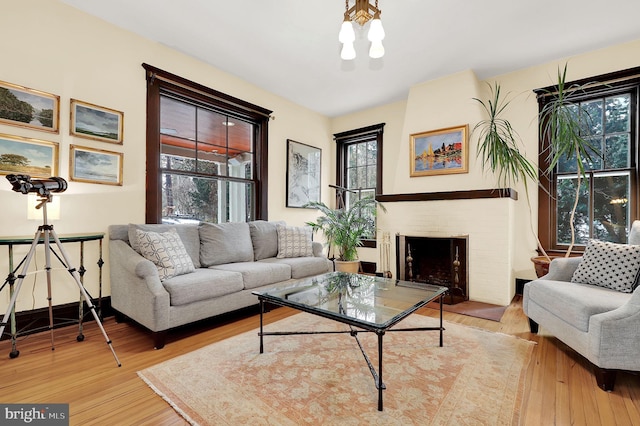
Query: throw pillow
pixel 609 265
pixel 294 241
pixel 222 243
pixel 166 251
pixel 264 238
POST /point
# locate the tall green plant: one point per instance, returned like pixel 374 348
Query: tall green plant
pixel 345 228
pixel 564 124
pixel 499 149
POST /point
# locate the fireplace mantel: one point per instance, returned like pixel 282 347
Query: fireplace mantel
pixel 450 195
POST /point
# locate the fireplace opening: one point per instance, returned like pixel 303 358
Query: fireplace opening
pixel 435 260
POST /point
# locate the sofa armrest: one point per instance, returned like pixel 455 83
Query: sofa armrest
pixel 614 336
pixel 136 290
pixel 562 269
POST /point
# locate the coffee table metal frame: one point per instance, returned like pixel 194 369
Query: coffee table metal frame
pixel 380 330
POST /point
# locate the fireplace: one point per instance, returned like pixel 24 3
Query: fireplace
pixel 435 260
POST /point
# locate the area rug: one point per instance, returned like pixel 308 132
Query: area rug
pixel 473 309
pixel 477 378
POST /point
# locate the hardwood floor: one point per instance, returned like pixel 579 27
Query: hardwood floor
pixel 560 387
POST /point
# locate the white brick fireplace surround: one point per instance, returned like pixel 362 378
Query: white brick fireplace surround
pixel 485 216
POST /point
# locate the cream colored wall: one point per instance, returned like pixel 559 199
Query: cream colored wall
pixel 52 47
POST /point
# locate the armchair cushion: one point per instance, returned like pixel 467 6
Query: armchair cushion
pixel 609 265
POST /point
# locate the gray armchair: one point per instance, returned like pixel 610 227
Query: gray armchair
pixel 601 324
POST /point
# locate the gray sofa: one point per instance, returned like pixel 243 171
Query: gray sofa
pixel 227 263
pixel 602 324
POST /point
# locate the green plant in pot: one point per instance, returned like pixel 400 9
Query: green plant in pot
pixel 499 150
pixel 345 228
pixel 566 127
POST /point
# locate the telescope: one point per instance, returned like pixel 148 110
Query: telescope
pixel 44 187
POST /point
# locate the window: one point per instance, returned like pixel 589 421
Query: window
pixel 359 165
pixel 608 196
pixel 206 153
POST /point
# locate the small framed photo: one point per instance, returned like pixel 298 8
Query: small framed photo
pixel 27 156
pixel 95 165
pixel 303 173
pixel 24 107
pixel 440 152
pixel 95 122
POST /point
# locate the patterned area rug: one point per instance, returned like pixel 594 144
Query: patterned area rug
pixel 477 378
pixel 473 309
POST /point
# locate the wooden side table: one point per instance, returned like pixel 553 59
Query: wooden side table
pixel 69 238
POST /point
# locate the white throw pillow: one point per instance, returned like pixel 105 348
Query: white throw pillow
pixel 166 251
pixel 294 241
pixel 609 265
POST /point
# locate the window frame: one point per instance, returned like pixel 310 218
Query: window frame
pixel 350 137
pixel 626 81
pixel 159 82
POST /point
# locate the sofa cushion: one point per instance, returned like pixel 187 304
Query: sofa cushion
pixel 188 234
pixel 257 274
pixel 264 238
pixel 610 265
pixel 574 303
pixel 166 251
pixel 225 243
pixel 202 284
pixel 294 241
pixel 302 267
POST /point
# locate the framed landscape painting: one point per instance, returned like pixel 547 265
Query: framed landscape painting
pixel 26 156
pixel 24 107
pixel 303 173
pixel 95 165
pixel 95 122
pixel 439 152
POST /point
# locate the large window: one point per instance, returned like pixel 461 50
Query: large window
pixel 359 166
pixel 206 153
pixel 608 199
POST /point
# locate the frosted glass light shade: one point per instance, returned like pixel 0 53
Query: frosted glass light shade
pixel 377 50
pixel 376 32
pixel 348 51
pixel 347 34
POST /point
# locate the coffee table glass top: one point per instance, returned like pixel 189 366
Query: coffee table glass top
pixel 362 300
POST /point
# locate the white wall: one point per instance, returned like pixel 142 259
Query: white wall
pixel 49 46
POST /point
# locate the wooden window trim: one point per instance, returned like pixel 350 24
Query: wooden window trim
pixel 162 81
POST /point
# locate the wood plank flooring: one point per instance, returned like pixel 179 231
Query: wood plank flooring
pixel 560 387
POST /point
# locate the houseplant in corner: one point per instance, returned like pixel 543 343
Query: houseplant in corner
pixel 345 228
pixel 498 147
pixel 565 126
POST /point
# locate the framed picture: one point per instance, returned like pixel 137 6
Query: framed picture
pixel 24 107
pixel 95 122
pixel 95 165
pixel 303 173
pixel 440 152
pixel 27 156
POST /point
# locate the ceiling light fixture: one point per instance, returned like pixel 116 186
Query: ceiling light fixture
pixel 361 12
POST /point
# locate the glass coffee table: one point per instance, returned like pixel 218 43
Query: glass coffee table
pixel 365 303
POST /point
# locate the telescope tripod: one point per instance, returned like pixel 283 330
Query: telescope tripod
pixel 45 233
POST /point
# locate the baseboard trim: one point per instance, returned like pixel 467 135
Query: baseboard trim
pixel 37 320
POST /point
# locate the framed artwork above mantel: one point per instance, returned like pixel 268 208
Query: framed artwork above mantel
pixel 440 152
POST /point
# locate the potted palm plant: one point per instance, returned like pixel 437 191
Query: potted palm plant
pixel 565 125
pixel 345 228
pixel 499 150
